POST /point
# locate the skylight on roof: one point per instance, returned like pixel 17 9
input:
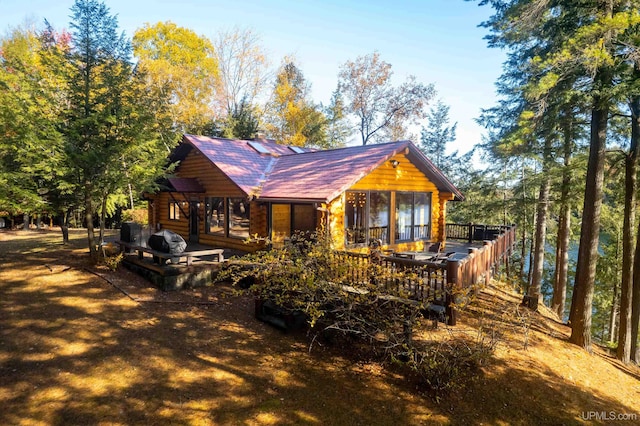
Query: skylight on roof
pixel 259 147
pixel 297 149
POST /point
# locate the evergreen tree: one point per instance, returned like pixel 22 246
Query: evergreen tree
pixel 338 128
pixel 572 47
pixel 110 137
pixel 242 123
pixel 436 138
pixel 437 135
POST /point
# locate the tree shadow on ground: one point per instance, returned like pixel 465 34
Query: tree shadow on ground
pixel 514 395
pixel 74 350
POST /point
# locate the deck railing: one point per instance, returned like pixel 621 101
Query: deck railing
pixel 434 282
pixel 471 232
pixel 417 280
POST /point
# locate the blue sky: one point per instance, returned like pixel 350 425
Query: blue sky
pixel 437 41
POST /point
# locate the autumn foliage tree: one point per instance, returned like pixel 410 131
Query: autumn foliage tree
pixel 182 66
pixel 382 111
pixel 292 118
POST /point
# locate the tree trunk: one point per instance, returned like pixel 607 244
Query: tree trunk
pixel 583 288
pixel 103 215
pixel 635 311
pixel 64 227
pixel 531 245
pixel 628 244
pixel 542 211
pixel 88 205
pixel 523 250
pixel 25 218
pixel 131 196
pixel 561 272
pixel 613 315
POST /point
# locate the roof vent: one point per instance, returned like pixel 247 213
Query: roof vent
pixel 259 147
pixel 297 149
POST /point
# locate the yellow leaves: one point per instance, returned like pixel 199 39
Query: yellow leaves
pixel 294 120
pixel 181 64
pixel 545 84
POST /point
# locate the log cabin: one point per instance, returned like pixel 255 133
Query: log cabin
pixel 225 193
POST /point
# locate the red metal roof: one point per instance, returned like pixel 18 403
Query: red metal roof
pixel 237 159
pixel 312 175
pixel 324 175
pixel 185 184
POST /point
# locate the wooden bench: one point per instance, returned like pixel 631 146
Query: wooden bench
pixel 162 257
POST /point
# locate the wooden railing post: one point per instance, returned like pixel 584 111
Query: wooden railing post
pixel 453 283
pixel 488 261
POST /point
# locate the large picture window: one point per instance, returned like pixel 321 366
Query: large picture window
pixel 367 216
pixel 238 214
pixel 421 216
pixel 413 216
pixel 379 207
pixel 214 219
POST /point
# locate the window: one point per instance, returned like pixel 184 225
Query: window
pixel 238 214
pixel 404 216
pixel 174 211
pixel 379 207
pixel 304 218
pixel 421 216
pixel 367 217
pixel 413 216
pixel 214 215
pixel 354 217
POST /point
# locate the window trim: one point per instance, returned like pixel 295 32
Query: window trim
pixel 412 236
pixel 174 210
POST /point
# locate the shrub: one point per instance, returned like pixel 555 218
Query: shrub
pixel 447 365
pixel 140 216
pixel 338 293
pixel 348 296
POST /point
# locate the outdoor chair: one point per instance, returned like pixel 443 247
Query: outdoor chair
pixel 434 248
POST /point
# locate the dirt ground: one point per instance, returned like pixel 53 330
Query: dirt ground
pixel 80 345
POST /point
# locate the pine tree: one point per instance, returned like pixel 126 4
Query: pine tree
pixel 437 135
pixel 110 134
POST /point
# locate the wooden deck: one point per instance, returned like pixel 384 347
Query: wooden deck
pixel 459 266
pixel 199 268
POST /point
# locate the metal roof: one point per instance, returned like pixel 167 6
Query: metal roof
pixel 278 172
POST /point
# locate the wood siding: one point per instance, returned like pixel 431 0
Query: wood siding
pixel 216 184
pixel 442 221
pixel 406 177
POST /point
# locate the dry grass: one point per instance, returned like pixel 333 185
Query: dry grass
pixel 83 345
